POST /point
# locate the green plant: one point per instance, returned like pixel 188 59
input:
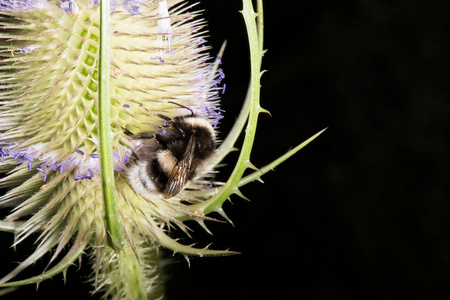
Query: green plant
pixel 73 77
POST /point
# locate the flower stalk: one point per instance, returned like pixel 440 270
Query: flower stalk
pixel 231 186
pixel 104 127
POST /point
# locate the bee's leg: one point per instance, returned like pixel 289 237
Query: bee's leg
pixel 140 136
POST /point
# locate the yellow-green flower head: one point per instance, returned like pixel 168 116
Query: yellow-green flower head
pixel 49 140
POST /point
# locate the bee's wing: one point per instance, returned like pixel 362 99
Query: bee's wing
pixel 182 171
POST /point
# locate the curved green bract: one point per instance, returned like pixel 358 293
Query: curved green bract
pixel 250 111
pixel 243 162
pixel 64 263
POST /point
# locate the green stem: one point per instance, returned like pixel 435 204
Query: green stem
pixel 106 160
pixel 244 158
pixel 126 258
pixel 260 28
pixel 227 145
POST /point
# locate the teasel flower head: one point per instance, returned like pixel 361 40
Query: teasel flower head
pixel 49 139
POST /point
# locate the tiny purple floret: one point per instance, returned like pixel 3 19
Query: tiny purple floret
pixel 27 157
pixel 126 157
pixel 132 7
pixel 82 176
pixel 224 86
pixel 221 73
pixel 43 172
pixel 16 156
pixel 66 6
pixel 25 49
pixel 157 57
pixel 216 120
pixel 205 110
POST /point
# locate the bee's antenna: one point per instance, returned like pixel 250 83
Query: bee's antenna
pixel 180 105
pixel 166 118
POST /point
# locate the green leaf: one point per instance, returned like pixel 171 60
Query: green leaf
pixel 257 174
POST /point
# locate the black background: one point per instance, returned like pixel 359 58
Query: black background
pixel 361 212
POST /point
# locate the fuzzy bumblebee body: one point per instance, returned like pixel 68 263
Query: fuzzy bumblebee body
pixel 183 150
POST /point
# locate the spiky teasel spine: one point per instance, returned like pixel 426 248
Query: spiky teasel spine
pixel 49 120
